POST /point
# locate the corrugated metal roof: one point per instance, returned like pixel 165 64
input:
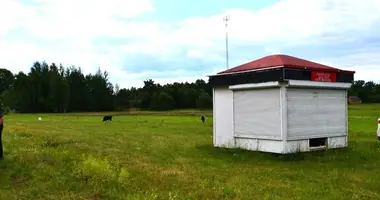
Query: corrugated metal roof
pixel 280 61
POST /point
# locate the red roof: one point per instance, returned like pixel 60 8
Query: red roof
pixel 280 61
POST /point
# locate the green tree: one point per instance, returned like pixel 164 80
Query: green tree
pixel 6 80
pixel 162 101
pixel 52 88
pixel 123 99
pixel 204 101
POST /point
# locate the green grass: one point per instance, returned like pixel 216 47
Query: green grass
pixel 172 157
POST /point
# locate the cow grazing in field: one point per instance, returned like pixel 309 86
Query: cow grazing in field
pixel 107 118
pixel 203 118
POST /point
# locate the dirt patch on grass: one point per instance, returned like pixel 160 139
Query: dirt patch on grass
pixel 17 180
pixel 96 196
pixel 172 171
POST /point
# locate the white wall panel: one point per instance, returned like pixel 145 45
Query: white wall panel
pixel 223 117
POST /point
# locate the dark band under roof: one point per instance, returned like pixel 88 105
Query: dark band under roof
pixel 282 61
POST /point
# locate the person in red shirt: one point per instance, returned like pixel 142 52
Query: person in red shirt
pixel 1 131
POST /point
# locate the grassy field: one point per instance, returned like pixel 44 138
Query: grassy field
pixel 172 157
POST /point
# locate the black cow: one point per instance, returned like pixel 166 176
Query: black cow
pixel 107 118
pixel 203 118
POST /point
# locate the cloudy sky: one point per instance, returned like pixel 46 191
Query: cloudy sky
pixel 183 40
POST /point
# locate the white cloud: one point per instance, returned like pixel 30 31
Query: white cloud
pixel 77 24
pixel 54 19
pixel 194 53
pixel 74 22
pixel 290 21
pixel 365 64
pixel 12 14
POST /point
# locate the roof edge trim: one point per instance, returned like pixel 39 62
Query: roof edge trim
pixel 251 70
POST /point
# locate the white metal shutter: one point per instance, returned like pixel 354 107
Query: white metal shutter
pixel 316 113
pixel 257 113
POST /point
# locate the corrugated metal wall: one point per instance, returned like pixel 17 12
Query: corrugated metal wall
pixel 316 113
pixel 257 113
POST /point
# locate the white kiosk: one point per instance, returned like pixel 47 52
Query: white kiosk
pixel 281 104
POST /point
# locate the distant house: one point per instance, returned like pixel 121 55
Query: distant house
pixel 354 99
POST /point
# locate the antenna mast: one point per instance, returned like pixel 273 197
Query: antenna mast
pixel 226 19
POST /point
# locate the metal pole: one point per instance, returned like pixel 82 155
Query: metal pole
pixel 226 19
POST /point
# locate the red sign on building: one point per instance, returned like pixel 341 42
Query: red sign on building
pixel 323 76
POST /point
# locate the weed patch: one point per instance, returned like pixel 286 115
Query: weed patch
pixel 100 171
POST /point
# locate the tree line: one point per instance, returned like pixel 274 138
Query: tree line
pixel 49 88
pixel 368 92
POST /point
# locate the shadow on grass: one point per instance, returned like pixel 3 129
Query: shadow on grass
pixel 363 152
